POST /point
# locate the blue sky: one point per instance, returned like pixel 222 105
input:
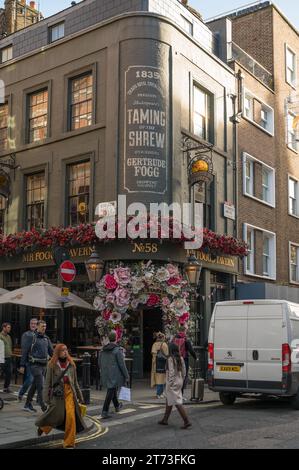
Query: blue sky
pixel 207 8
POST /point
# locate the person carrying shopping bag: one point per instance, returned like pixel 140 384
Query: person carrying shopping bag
pixel 159 355
pixel 175 375
pixel 64 397
pixel 113 373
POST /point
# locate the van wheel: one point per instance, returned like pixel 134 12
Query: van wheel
pixel 295 401
pixel 227 398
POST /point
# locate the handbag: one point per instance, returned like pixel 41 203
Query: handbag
pixel 160 362
pixel 57 390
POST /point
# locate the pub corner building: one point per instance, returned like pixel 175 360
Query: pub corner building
pixel 133 100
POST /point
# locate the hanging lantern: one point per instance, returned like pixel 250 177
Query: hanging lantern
pixel 192 270
pixel 200 170
pixel 94 267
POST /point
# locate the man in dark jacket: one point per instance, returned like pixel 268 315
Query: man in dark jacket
pixel 27 338
pixel 113 373
pixel 35 352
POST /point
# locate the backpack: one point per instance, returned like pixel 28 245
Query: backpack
pixel 160 362
pixel 181 344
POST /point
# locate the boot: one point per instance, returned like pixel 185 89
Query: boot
pixel 183 414
pixel 168 410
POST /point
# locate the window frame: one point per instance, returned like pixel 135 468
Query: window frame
pixel 29 119
pixel 292 132
pixel 266 107
pixel 272 183
pixel 38 171
pixel 190 29
pixel 272 250
pixel 67 187
pixel 25 129
pixel 6 103
pixel 210 113
pixel 293 83
pixel 296 245
pixel 51 29
pixel 5 48
pixel 70 79
pixel 290 177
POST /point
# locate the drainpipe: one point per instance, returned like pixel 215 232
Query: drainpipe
pixel 237 101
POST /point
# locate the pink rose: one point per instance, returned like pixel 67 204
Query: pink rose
pixel 185 317
pixel 106 314
pixel 110 282
pixel 122 276
pixel 174 281
pixel 122 297
pixel 165 302
pixel 110 298
pixel 152 300
pixel 172 269
pixel 119 332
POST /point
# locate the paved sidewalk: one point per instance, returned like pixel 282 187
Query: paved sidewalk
pixel 17 428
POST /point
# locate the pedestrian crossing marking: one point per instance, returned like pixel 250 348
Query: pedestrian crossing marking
pixel 126 410
pixel 147 407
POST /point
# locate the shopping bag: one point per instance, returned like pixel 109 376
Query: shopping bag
pixel 125 394
pixel 83 409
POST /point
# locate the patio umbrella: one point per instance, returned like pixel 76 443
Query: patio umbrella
pixel 42 295
pixel 3 291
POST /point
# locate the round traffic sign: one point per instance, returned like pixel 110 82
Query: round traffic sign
pixel 67 271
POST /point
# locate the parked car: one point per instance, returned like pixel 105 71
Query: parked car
pixel 252 350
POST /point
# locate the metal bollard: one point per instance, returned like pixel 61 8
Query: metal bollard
pixel 86 378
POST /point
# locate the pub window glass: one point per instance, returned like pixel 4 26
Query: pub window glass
pixel 78 193
pixel 3 126
pixel 38 116
pixel 202 114
pixel 2 212
pixel 35 201
pixel 81 101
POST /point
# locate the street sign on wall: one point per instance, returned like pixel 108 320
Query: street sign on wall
pixel 67 271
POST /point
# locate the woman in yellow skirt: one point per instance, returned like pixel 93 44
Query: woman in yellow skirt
pixel 63 395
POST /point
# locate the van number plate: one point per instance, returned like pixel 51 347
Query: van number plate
pixel 230 369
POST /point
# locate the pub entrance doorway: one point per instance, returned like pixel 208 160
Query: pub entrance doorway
pixel 152 323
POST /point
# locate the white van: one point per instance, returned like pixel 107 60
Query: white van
pixel 252 349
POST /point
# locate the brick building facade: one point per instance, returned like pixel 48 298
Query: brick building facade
pixel 265 47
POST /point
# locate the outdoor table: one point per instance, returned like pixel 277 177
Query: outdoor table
pixel 96 350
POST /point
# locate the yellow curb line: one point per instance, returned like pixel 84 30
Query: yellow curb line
pixel 98 433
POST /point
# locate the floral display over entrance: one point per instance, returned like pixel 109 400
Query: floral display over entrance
pixel 142 285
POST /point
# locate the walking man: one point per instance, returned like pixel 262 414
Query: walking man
pixel 36 351
pixel 113 373
pixel 5 337
pixel 26 338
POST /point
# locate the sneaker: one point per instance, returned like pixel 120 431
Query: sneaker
pixel 29 407
pixel 119 407
pixel 105 415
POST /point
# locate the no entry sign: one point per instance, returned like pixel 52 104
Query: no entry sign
pixel 67 271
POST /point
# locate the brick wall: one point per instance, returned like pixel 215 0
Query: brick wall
pixel 254 33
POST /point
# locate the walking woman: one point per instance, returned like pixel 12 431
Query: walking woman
pixel 63 395
pixel 159 355
pixel 175 375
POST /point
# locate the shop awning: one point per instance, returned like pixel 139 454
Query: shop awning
pixel 42 295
